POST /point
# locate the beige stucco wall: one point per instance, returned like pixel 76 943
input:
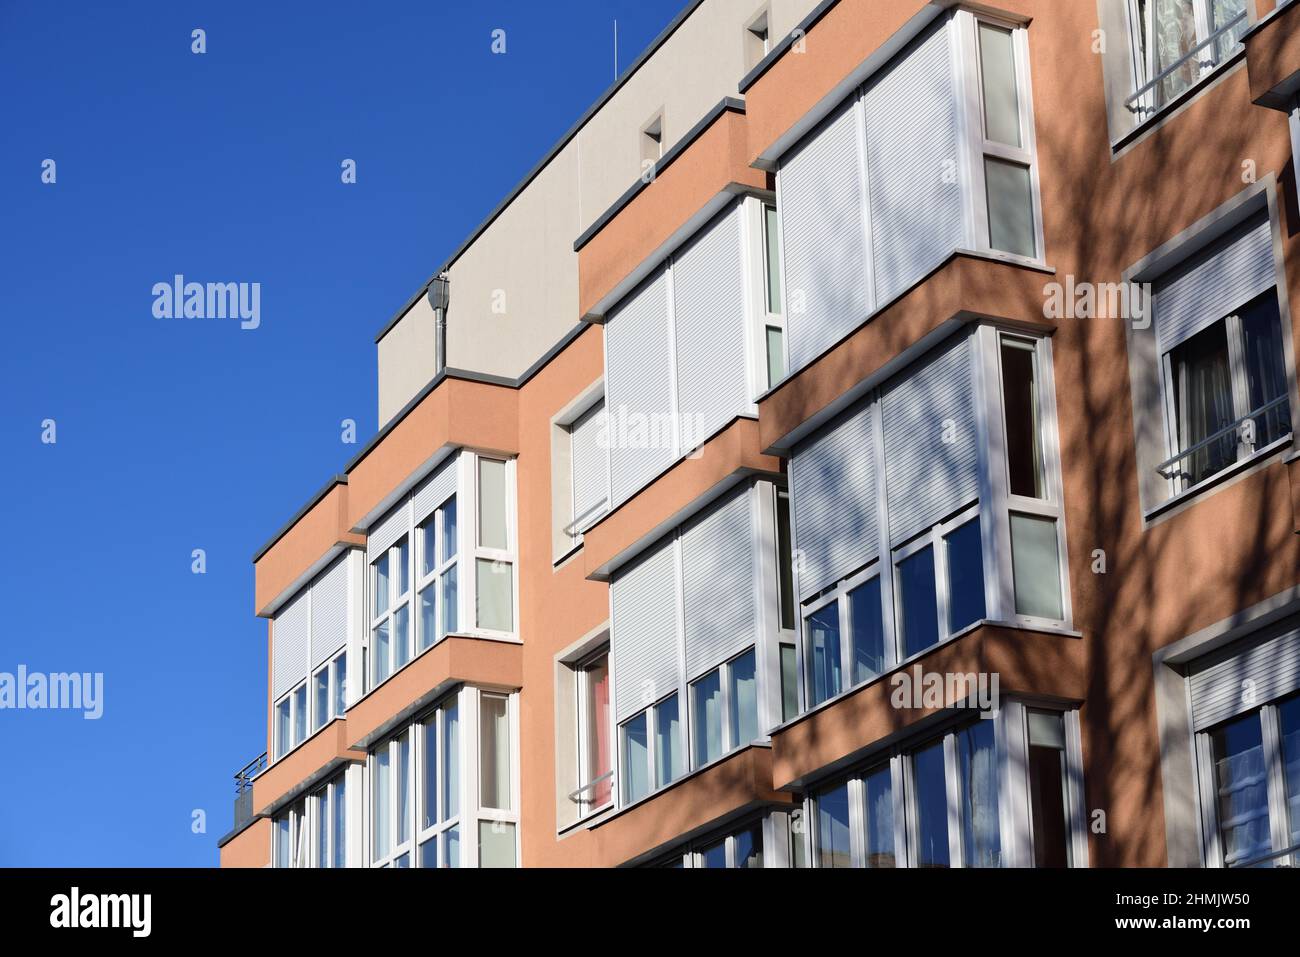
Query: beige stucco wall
pixel 407 358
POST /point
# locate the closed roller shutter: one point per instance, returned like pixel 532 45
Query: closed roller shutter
pixel 719 583
pixel 384 533
pixel 639 388
pixel 644 646
pixel 590 463
pixel 289 644
pixel 435 490
pixel 329 612
pixel 1223 277
pixel 824 244
pixel 709 320
pixel 926 477
pixel 833 494
pixel 1245 676
pixel 913 149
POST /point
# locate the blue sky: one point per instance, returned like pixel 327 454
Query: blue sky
pixel 173 436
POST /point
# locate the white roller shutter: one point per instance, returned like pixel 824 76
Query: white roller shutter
pixel 645 647
pixel 719 583
pixel 833 494
pixel 931 451
pixel 590 464
pixel 709 320
pixel 1245 676
pixel 435 490
pixel 1223 277
pixel 329 612
pixel 913 148
pixel 384 533
pixel 822 206
pixel 639 388
pixel 289 644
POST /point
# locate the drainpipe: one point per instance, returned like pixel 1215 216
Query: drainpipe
pixel 439 293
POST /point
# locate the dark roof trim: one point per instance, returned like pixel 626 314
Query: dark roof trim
pixel 235 832
pixel 532 174
pixel 765 64
pixel 312 503
pixel 727 103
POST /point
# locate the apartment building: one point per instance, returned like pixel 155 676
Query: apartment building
pixel 864 440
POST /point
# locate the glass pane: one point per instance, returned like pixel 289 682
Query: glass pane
pixel 283 841
pixel 380 636
pixel 998 77
pixel 965 577
pixel 775 355
pixel 1203 404
pixel 833 828
pixel 636 759
pixel 451 761
pixel 1288 720
pixel 496 844
pixel 669 760
pixel 300 714
pixel 879 791
pixel 714 855
pixel 798 845
pixel 381 585
pixel 322 834
pixel 1241 789
pixel 448 530
pixel 785 562
pixel 282 728
pixel 403 570
pixel 977 764
pixel 321 699
pixel 743 691
pixel 597 753
pixel 749 847
pixel 918 608
pixel 428 546
pixel 706 703
pixel 868 631
pixel 1020 411
pixel 340 684
pixel 492 504
pixel 340 807
pixel 1265 370
pixel 428 616
pixel 1222 13
pixel 773 258
pixel 1011 207
pixel 429 853
pixel 429 786
pixel 451 847
pixel 789 682
pixel 450 601
pixel 494 751
pixel 931 828
pixel 823 630
pixel 1047 790
pixel 403 861
pixel 401 637
pixel 381 796
pixel 1173 38
pixel 1036 566
pixel 496 594
pixel 403 785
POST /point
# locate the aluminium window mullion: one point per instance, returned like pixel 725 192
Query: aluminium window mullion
pixel 994 475
pixel 943 598
pixel 1279 836
pixel 952 776
pixel 857 821
pixel 898 799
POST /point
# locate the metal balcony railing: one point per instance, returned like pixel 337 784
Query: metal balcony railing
pixel 244 789
pixel 588 803
pixel 1166 468
pixel 1151 97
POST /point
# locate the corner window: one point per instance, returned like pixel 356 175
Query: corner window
pixel 651 750
pixel 1049 789
pixel 329 692
pixel 724 709
pixel 439 830
pixel 845 636
pixel 291 721
pixel 494 551
pixel 940 583
pixel 313 831
pixel 390 622
pixel 1176 43
pixel 439 599
pixel 774 325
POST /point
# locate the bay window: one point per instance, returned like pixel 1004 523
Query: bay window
pixel 291 721
pixel 724 709
pixel 390 618
pixel 439 546
pixel 312 831
pixel 444 790
pixel 493 555
pixel 329 691
pixel 651 750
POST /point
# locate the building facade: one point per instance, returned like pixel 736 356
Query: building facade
pixel 864 440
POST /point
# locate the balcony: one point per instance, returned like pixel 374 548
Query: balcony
pixel 244 790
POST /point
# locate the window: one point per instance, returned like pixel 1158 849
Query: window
pixel 329 691
pixel 1049 789
pixel 651 749
pixel 939 598
pixel 390 632
pixel 1006 148
pixel 845 636
pixel 929 832
pixel 437 579
pixel 1176 42
pixel 1227 393
pixel 774 325
pixel 595 754
pixel 741 848
pixel 873 793
pixel 291 721
pixel 493 556
pixel 424 811
pixel 652 142
pixel 724 707
pixel 588 456
pixel 291 837
pixel 977 767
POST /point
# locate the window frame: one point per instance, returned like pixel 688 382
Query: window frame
pixel 300 833
pixel 335 670
pixel 322 805
pixel 690 856
pixel 727 710
pixel 586 729
pixel 651 713
pixel 936 539
pixel 578 525
pixel 1142 64
pixel 496 556
pixel 442 566
pixel 283 748
pixel 759 315
pixel 395 602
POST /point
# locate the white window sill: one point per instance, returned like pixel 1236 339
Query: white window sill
pixel 1145 125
